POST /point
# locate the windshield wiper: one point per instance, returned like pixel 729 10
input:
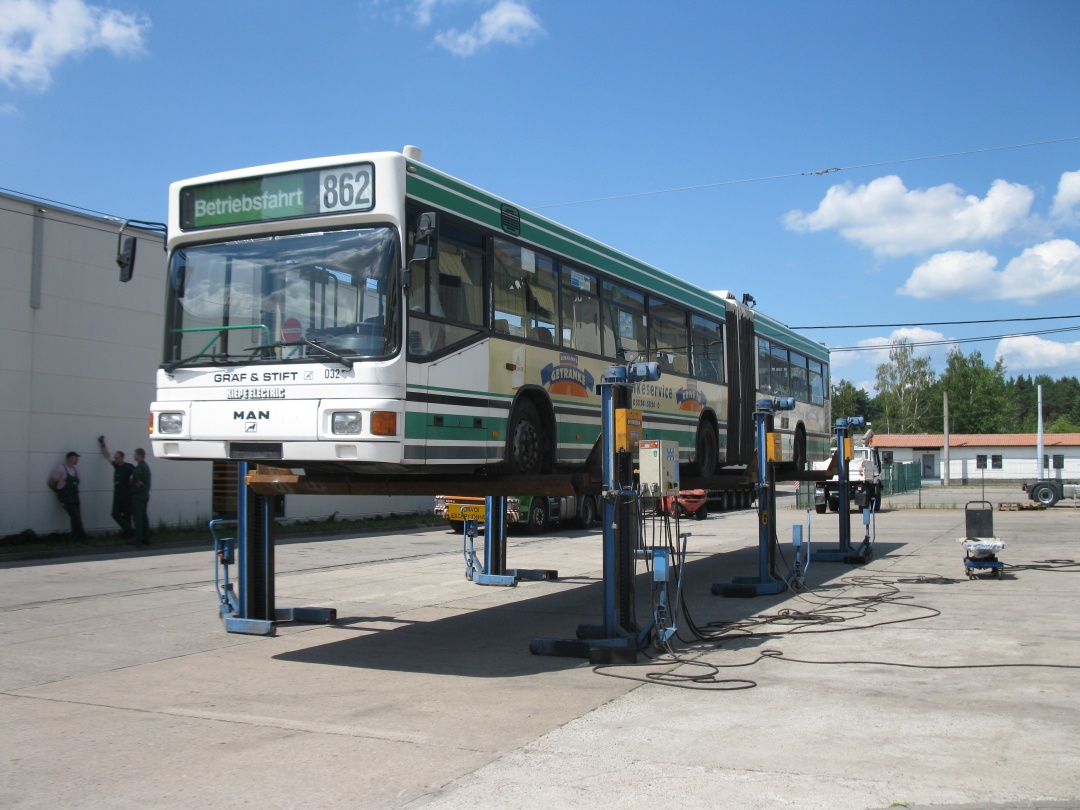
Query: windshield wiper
pixel 315 344
pixel 172 366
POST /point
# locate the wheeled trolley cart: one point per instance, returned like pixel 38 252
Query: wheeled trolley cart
pixel 981 547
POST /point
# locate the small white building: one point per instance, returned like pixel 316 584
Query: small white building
pixel 79 350
pixel 990 457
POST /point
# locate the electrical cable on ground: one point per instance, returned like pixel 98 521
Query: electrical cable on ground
pixel 826 610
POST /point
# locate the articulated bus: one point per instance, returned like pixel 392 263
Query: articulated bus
pixel 370 314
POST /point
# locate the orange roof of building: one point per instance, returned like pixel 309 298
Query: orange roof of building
pixel 976 440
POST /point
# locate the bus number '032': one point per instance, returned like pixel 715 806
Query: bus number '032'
pixel 346 189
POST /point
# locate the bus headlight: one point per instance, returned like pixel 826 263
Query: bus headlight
pixel 170 423
pixel 347 423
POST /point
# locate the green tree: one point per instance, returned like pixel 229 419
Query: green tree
pixel 904 386
pixel 847 400
pixel 1063 425
pixel 978 394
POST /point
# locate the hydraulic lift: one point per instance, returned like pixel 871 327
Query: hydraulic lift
pixel 251 607
pixel 492 570
pixel 768 580
pixel 618 638
pixel 845 552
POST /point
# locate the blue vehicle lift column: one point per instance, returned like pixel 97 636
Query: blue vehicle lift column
pixel 845 552
pixel 493 570
pixel 618 639
pixel 251 609
pixel 767 581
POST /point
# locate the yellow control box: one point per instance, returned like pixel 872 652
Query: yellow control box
pixel 774 448
pixel 627 430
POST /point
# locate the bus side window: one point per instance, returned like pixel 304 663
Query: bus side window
pixel 509 290
pixel 799 383
pixel 707 349
pixel 764 367
pixel 580 311
pixel 624 323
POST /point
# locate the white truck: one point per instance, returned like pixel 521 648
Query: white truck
pixel 864 482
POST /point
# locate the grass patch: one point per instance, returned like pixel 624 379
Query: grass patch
pixel 30 542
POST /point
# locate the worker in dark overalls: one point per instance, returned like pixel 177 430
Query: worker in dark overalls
pixel 121 502
pixel 64 481
pixel 140 497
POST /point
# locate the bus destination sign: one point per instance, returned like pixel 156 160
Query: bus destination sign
pixel 278 196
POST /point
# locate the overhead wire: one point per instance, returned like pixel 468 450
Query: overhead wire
pixel 937 323
pixel 950 341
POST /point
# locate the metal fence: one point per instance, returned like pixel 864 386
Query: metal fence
pixel 898 477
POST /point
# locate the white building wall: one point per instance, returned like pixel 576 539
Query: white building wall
pixel 78 355
pixel 1018 463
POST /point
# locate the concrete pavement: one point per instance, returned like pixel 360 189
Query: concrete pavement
pixel 119 687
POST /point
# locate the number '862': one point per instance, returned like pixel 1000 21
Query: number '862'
pixel 346 189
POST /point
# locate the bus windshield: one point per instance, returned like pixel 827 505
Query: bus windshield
pixel 312 296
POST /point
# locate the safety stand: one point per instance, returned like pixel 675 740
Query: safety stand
pixel 618 639
pixel 250 609
pixel 493 570
pixel 767 581
pixel 846 553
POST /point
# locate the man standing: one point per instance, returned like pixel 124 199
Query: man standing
pixel 121 499
pixel 64 481
pixel 140 496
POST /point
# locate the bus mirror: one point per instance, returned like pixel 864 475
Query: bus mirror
pixel 425 242
pixel 125 256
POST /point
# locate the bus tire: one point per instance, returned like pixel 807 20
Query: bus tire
pixel 799 450
pixel 587 516
pixel 538 516
pixel 526 450
pixel 706 449
pixel 457 526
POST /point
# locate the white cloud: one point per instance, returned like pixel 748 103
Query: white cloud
pixel 875 352
pixel 893 220
pixel 1064 209
pixel 9 109
pixel 422 11
pixel 508 22
pixel 36 36
pixel 1035 354
pixel 956 274
pixel 1046 271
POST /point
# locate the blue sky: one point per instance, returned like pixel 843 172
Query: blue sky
pixel 103 103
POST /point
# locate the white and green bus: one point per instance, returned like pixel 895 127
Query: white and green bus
pixel 368 313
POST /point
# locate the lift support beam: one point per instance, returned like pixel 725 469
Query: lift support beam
pixel 278 481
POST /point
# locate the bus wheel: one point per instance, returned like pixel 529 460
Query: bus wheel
pixel 799 454
pixel 526 446
pixel 706 450
pixel 588 512
pixel 457 526
pixel 538 516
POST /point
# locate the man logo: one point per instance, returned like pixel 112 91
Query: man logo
pixel 251 427
pixel 249 415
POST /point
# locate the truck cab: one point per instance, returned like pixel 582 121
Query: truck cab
pixel 864 479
